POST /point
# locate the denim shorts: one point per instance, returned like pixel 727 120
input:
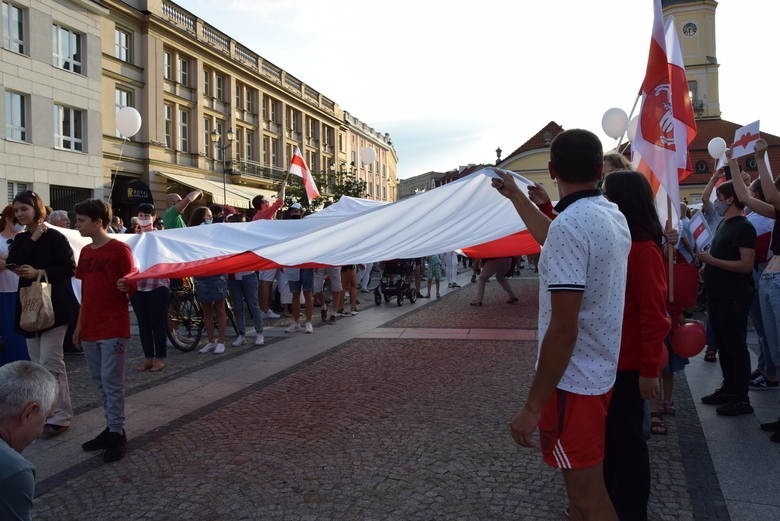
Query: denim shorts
pixel 211 289
pixel 305 281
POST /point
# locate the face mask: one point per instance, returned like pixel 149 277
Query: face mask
pixel 144 223
pixel 720 207
pixel 207 221
pixel 18 228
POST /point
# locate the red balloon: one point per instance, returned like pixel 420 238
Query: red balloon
pixel 688 339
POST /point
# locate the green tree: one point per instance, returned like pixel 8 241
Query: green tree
pixel 331 187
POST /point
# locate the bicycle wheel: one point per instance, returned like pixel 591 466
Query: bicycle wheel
pixel 185 321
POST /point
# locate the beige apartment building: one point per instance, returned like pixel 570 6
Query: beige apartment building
pixel 216 115
pixel 50 78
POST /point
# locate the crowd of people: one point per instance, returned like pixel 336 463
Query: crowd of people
pixel 604 314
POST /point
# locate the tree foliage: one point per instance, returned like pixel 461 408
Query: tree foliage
pixel 331 187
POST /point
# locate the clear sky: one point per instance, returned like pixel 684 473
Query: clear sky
pixel 452 80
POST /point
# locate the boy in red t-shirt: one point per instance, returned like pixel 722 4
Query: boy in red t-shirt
pixel 103 327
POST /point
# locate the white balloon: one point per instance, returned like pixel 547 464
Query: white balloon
pixel 632 127
pixel 614 122
pixel 128 121
pixel 367 155
pixel 716 147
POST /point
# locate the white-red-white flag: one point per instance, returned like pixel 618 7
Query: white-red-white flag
pixel 666 122
pixel 745 140
pixel 298 167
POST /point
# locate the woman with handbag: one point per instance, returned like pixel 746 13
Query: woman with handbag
pixel 42 251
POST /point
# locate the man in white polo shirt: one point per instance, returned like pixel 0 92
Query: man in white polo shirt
pixel 582 283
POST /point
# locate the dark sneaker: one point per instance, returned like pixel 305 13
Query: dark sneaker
pixel 116 447
pixel 771 426
pixel 324 314
pixel 762 384
pixel 719 397
pixel 735 408
pixel 473 279
pixel 50 430
pixel 775 437
pixel 99 442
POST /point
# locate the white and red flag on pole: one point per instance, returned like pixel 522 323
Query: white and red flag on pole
pixel 666 121
pixel 298 167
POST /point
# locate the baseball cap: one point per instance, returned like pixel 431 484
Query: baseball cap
pixel 296 206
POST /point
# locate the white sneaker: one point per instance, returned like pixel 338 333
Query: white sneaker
pixel 239 341
pixel 354 312
pixel 293 328
pixel 270 314
pixel 207 348
pixel 219 349
pixel 260 340
pixel 308 328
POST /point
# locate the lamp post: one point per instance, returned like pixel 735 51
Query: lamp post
pixel 216 138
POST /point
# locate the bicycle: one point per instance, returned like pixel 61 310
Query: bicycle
pixel 185 316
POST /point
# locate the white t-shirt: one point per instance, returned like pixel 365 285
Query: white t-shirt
pixel 587 250
pixel 9 281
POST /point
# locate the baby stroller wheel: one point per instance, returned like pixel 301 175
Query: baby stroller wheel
pixel 387 297
pixel 400 299
pixel 377 297
pixel 412 294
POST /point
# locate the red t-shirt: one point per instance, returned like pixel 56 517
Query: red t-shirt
pixel 269 212
pixel 104 311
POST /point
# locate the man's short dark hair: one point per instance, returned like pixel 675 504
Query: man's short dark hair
pixel 95 209
pixel 257 201
pixel 576 156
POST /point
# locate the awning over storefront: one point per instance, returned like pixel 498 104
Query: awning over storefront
pixel 238 196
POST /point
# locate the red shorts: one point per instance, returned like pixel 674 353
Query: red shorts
pixel 571 429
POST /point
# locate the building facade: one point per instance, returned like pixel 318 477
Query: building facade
pixel 215 115
pixel 50 72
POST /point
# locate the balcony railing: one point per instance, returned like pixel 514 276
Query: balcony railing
pixel 216 39
pixel 178 16
pixel 258 170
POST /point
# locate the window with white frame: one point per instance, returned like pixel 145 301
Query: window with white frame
pixel 14 188
pixel 68 128
pixel 184 130
pixel 13 27
pixel 221 132
pixel 168 65
pixel 122 98
pixel 219 87
pixel 250 145
pixel 207 136
pixel 275 152
pixel 168 118
pixel 66 49
pixel 248 103
pixel 239 96
pixel 123 44
pixel 15 116
pixel 207 82
pixel 184 71
pixel 239 142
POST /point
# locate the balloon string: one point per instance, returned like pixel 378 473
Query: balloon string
pixel 113 177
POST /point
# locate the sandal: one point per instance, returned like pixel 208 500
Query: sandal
pixel 157 366
pixel 145 366
pixel 668 409
pixel 657 425
pixel 475 303
pixel 710 356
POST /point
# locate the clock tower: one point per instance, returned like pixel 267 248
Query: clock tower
pixel 695 23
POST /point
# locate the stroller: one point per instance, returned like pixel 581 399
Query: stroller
pixel 397 281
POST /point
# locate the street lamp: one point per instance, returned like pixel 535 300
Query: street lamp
pixel 216 138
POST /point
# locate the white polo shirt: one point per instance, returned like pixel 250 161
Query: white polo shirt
pixel 587 250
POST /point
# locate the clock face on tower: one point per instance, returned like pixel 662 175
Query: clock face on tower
pixel 690 29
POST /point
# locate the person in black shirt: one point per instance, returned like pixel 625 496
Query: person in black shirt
pixel 729 286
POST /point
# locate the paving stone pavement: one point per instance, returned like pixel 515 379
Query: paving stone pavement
pixel 388 429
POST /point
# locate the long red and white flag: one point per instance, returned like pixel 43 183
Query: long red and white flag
pixel 298 167
pixel 666 122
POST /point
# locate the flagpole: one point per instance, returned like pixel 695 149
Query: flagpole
pixel 633 108
pixel 670 249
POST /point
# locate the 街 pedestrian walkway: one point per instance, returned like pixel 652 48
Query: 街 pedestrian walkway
pixel 399 413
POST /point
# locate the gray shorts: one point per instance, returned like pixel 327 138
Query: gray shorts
pixel 211 289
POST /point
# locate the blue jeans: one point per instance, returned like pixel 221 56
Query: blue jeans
pixel 245 290
pixel 769 300
pixel 106 361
